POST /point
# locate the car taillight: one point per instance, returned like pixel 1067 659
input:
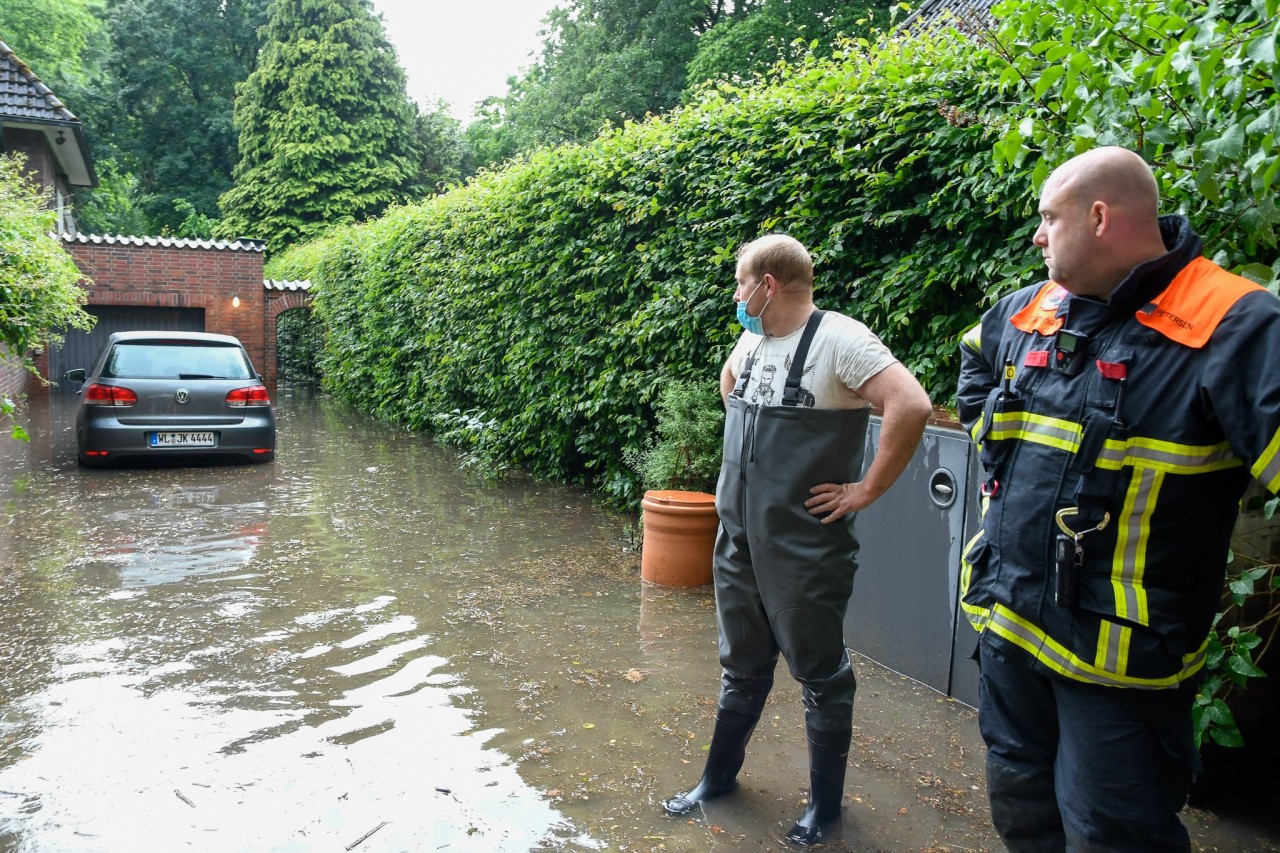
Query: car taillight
pixel 254 395
pixel 109 395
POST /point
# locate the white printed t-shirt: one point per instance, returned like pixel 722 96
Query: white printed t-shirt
pixel 844 354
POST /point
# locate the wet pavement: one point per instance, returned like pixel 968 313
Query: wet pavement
pixel 364 647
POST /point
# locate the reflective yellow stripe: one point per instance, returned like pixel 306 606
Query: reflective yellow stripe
pixel 1010 626
pixel 973 338
pixel 1126 634
pixel 1167 456
pixel 975 431
pixel 1137 452
pixel 1103 659
pixel 977 616
pixel 1129 560
pixel 966 568
pixel 1267 468
pixel 1037 429
pixel 1113 648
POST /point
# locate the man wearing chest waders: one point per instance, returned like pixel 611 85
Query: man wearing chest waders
pixel 798 388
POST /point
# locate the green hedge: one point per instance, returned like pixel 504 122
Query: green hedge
pixel 534 315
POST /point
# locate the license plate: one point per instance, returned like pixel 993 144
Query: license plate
pixel 182 439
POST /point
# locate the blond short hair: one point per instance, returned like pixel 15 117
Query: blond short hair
pixel 782 256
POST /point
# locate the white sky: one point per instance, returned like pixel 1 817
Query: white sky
pixel 462 50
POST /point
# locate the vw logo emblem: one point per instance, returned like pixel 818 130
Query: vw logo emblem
pixel 182 395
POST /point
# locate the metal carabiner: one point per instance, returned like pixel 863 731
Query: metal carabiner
pixel 1061 515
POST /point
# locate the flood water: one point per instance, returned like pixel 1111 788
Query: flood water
pixel 365 647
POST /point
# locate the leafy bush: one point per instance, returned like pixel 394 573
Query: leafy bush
pixel 39 288
pixel 1191 86
pixel 1245 630
pixel 685 451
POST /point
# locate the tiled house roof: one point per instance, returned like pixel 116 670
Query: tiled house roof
pixel 29 107
pixel 23 95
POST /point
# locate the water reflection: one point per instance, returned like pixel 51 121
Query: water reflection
pixel 262 658
pixel 361 647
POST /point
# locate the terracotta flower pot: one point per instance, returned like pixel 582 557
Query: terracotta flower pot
pixel 679 537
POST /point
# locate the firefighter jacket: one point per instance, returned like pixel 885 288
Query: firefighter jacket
pixel 1129 428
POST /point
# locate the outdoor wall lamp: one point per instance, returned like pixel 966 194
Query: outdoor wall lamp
pixel 235 301
pixel 61 140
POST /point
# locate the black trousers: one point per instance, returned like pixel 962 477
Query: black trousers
pixel 1082 767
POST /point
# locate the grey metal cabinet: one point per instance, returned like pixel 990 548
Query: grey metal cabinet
pixel 905 610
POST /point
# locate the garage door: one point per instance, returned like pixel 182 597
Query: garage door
pixel 80 348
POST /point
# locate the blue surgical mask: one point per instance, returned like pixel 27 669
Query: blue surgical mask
pixel 754 325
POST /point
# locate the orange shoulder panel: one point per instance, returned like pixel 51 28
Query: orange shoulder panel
pixel 1195 302
pixel 1041 313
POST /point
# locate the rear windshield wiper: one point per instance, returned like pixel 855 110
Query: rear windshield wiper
pixel 199 376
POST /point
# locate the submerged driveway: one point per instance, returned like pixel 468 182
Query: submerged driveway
pixel 363 647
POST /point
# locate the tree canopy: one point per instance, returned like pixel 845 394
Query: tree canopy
pixel 746 45
pixel 606 61
pixel 155 84
pixel 602 61
pixel 326 129
pixel 174 65
pixel 56 38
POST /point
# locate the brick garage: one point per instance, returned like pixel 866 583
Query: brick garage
pixel 173 273
pixel 155 272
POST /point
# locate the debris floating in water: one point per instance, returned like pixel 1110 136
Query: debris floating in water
pixel 362 839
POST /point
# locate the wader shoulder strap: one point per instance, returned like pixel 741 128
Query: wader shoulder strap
pixel 792 387
pixel 741 388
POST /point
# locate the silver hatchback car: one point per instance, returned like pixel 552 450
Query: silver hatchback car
pixel 172 395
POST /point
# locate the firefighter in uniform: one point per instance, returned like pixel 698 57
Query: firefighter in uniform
pixel 1119 409
pixel 790 485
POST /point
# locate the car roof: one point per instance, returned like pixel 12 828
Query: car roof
pixel 194 337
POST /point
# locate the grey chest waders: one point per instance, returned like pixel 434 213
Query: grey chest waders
pixel 783 579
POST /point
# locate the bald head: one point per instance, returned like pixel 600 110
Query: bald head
pixel 1116 176
pixel 1099 220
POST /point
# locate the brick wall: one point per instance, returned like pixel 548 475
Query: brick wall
pixel 13 379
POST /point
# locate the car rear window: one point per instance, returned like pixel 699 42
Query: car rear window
pixel 176 360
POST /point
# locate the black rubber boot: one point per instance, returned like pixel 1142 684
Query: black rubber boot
pixel 828 760
pixel 725 755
